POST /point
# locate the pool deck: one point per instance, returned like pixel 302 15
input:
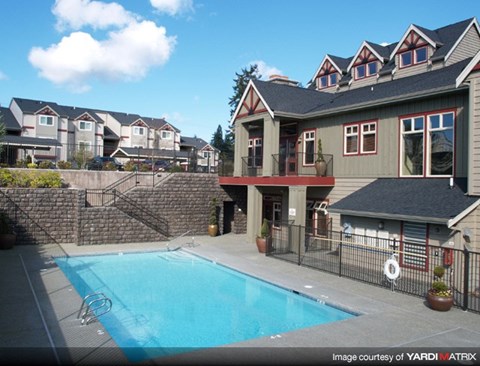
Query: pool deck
pixel 391 323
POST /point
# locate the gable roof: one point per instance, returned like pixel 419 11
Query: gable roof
pixel 443 39
pixel 11 123
pixel 30 106
pixel 303 103
pixel 424 200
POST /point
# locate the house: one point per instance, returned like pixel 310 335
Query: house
pixel 49 131
pixel 206 155
pixel 399 133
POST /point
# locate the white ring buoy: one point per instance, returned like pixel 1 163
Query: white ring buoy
pixel 389 264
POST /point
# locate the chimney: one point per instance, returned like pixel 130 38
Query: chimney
pixel 282 79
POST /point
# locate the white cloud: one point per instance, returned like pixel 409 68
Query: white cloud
pixel 75 14
pixel 265 70
pixel 127 54
pixel 173 7
pixel 3 76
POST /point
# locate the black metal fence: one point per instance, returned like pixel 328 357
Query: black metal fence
pixel 363 258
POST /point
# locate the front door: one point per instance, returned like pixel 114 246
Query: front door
pixel 288 156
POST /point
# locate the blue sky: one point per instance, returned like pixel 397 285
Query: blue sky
pixel 177 58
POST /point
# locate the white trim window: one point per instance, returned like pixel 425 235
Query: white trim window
pixel 44 120
pixel 350 145
pixel 85 125
pixel 427 149
pixel 309 147
pixel 166 135
pixel 138 131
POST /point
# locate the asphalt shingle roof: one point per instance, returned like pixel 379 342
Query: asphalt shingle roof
pixel 11 123
pixel 290 99
pixel 409 197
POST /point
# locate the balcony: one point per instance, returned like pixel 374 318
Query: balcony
pixel 285 170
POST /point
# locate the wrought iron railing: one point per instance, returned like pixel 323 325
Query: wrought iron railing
pixel 362 258
pixel 297 164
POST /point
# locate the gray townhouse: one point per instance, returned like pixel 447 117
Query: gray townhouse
pixel 399 131
pixel 49 131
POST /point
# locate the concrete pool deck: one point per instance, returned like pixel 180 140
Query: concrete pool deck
pixel 390 322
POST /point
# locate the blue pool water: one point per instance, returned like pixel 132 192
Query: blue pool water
pixel 171 302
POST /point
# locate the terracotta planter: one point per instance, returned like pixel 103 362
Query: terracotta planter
pixel 321 168
pixel 7 241
pixel 439 303
pixel 264 245
pixel 212 230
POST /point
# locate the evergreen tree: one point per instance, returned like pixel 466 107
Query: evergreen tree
pixel 241 82
pixel 3 132
pixel 217 139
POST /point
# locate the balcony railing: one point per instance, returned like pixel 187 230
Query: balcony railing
pixel 299 164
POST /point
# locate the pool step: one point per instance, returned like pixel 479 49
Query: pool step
pixel 95 305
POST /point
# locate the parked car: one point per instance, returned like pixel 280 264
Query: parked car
pixel 158 165
pixel 98 163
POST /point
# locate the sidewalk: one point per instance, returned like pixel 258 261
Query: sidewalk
pixel 389 322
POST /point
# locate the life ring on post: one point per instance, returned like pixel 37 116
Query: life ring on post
pixel 387 269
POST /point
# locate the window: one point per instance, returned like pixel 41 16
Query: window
pixel 366 70
pixel 138 131
pixel 369 138
pixel 85 145
pixel 328 80
pixel 360 72
pixel 207 154
pixel 317 218
pixel 85 126
pixel 427 144
pixel 363 133
pixel 309 147
pixel 45 120
pixel 351 140
pixel 413 57
pixel 255 152
pixel 166 135
pixel 277 214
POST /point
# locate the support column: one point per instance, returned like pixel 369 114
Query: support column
pixel 297 200
pixel 241 148
pixel 271 134
pixel 254 213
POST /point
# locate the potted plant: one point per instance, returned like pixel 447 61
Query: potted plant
pixel 264 240
pixel 7 236
pixel 320 163
pixel 213 224
pixel 440 296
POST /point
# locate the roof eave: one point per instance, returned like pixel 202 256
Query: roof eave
pixel 388 216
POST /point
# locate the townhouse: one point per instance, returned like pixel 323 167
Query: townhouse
pixel 398 128
pixel 49 131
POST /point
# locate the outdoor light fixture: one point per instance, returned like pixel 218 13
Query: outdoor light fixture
pixel 381 225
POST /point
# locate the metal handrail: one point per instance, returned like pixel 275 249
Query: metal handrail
pixel 89 314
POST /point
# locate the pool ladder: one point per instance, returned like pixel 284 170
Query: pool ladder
pixel 92 303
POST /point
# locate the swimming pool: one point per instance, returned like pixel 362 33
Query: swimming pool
pixel 172 302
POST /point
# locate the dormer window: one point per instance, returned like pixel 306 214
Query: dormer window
pixel 413 57
pixel 326 81
pixel 366 70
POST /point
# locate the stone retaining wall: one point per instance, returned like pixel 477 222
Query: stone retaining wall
pixel 57 215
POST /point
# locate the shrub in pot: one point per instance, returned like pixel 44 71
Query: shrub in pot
pixel 439 296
